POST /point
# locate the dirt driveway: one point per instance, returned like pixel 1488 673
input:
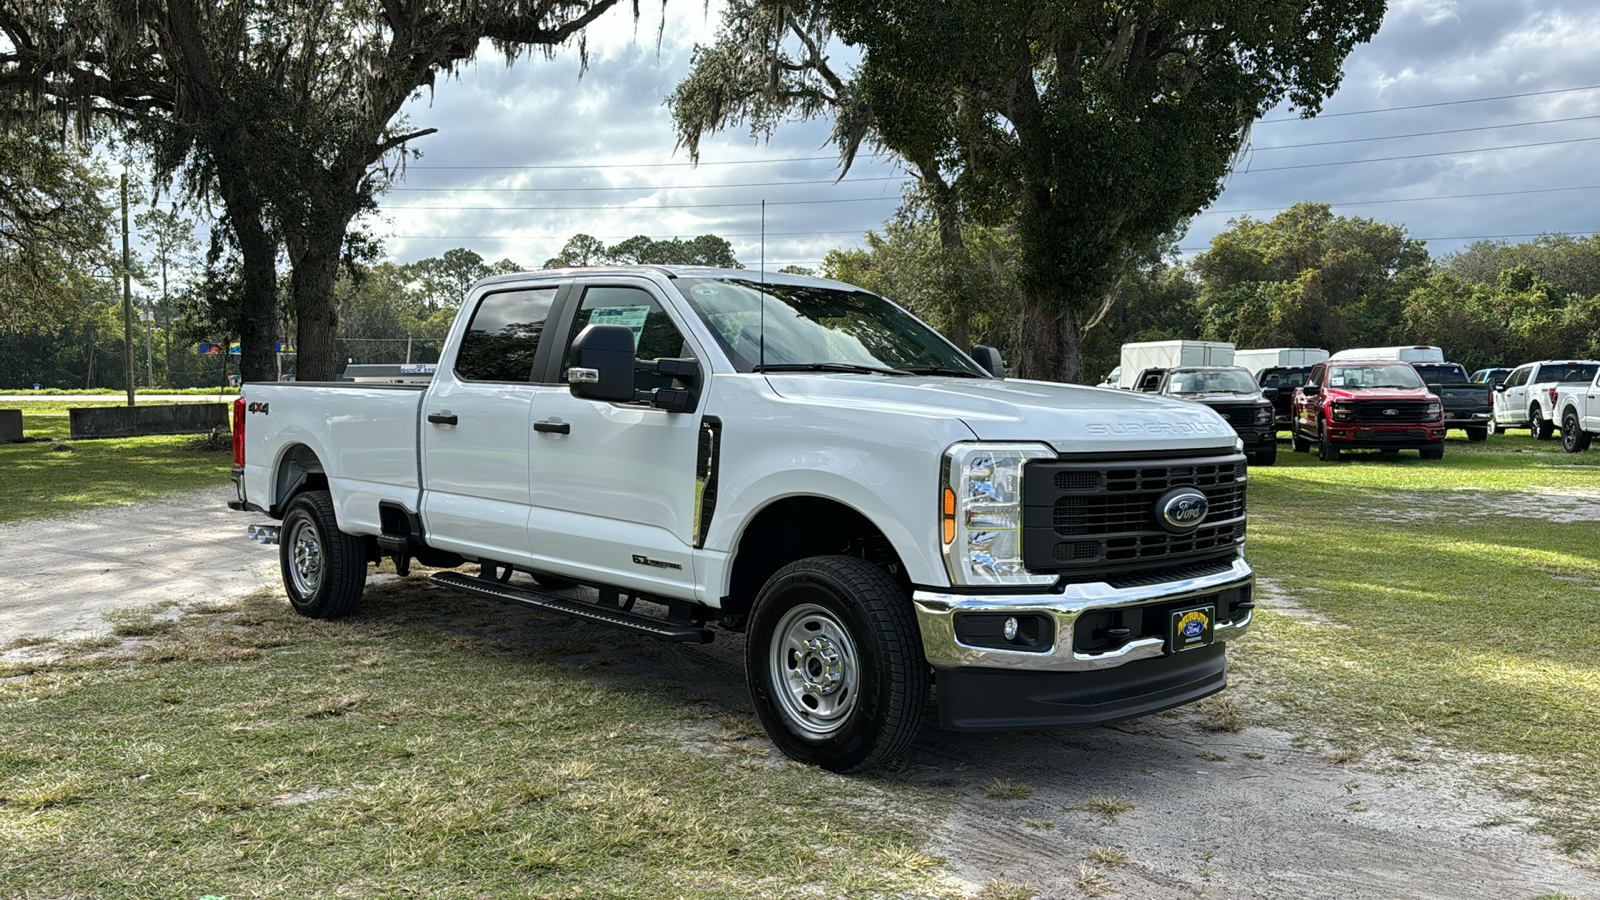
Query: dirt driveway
pixel 1195 813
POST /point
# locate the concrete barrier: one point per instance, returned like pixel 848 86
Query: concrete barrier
pixel 127 421
pixel 10 425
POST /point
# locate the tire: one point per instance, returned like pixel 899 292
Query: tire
pixel 1326 451
pixel 1478 434
pixel 834 662
pixel 1538 427
pixel 1297 443
pixel 1268 456
pixel 1573 438
pixel 1434 452
pixel 324 569
pixel 1495 427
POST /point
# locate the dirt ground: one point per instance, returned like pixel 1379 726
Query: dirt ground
pixel 1247 814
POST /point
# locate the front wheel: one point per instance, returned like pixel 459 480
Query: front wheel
pixel 1326 451
pixel 835 664
pixel 1267 455
pixel 1298 443
pixel 324 569
pixel 1435 451
pixel 1573 438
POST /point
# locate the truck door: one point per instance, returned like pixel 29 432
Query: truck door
pixel 1511 404
pixel 475 427
pixel 613 484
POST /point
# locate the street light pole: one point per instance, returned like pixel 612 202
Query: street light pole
pixel 127 292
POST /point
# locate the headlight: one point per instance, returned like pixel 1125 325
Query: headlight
pixel 1344 411
pixel 1435 412
pixel 1264 416
pixel 980 513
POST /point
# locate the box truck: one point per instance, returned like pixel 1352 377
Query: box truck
pixel 1256 360
pixel 1163 355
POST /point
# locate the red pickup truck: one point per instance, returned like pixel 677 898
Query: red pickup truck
pixel 1366 405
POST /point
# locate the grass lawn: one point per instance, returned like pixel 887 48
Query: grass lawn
pixel 1443 613
pixel 1412 611
pixel 39 479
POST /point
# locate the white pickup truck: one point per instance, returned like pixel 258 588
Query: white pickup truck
pixel 788 457
pixel 1577 408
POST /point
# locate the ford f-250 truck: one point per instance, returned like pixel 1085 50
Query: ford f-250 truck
pixel 1577 408
pixel 790 457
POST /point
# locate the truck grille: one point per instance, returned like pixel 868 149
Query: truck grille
pixel 1236 414
pixel 1098 517
pixel 1376 411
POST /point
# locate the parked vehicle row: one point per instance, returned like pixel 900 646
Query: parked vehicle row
pixel 1577 407
pixel 1527 397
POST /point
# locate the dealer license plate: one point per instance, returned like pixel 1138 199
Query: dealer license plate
pixel 1191 628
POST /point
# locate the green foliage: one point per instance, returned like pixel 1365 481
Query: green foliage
pixel 1307 278
pixel 1517 318
pixel 55 228
pixel 641 250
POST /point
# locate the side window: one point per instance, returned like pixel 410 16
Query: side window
pixel 654 334
pixel 503 336
pixel 1519 377
pixel 1315 378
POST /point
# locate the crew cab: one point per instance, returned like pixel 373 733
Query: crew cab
pixel 1234 395
pixel 1527 398
pixel 1466 404
pixel 1577 408
pixel 1277 384
pixel 673 451
pixel 1367 405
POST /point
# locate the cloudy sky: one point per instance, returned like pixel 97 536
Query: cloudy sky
pixel 1463 119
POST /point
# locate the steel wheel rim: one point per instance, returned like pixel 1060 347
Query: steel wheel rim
pixel 814 670
pixel 305 557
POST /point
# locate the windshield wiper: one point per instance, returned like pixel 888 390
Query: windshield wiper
pixel 826 367
pixel 937 370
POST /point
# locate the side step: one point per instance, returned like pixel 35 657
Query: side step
pixel 661 629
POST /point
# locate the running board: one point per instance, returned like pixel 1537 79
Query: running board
pixel 660 629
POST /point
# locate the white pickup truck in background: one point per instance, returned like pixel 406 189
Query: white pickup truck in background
pixel 1577 408
pixel 794 458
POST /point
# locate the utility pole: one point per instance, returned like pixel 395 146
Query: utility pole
pixel 127 291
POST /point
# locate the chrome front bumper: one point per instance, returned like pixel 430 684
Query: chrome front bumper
pixel 936 618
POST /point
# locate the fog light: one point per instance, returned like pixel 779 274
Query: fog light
pixel 1011 629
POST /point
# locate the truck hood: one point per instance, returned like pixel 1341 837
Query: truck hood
pixel 1070 418
pixel 1334 393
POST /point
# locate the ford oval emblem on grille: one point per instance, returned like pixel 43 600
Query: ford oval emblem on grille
pixel 1181 510
pixel 1391 412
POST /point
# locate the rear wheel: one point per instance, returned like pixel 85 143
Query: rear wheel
pixel 324 569
pixel 1495 427
pixel 835 664
pixel 1326 451
pixel 1478 434
pixel 1573 438
pixel 1538 427
pixel 1298 443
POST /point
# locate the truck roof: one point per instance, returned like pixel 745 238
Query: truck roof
pixel 671 272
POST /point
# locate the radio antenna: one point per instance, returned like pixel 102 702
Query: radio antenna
pixel 761 351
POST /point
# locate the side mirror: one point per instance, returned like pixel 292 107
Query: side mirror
pixel 1270 393
pixel 1500 387
pixel 602 364
pixel 989 358
pixel 1311 390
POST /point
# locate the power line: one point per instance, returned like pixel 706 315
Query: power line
pixel 727 162
pixel 1352 162
pixel 1367 112
pixel 660 187
pixel 1461 237
pixel 1584 187
pixel 393 209
pixel 603 237
pixel 1396 137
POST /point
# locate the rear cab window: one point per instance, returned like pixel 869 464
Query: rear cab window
pixel 503 338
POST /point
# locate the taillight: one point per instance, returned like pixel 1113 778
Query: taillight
pixel 238 432
pixel 1552 393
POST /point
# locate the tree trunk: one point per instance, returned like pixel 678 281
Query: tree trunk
pixel 257 317
pixel 316 265
pixel 1049 343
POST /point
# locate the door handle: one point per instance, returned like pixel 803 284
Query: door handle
pixel 553 427
pixel 442 418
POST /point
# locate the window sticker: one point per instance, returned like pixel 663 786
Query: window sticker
pixel 631 317
pixel 1337 381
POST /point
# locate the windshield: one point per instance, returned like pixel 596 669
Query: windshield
pixel 1434 373
pixel 1211 381
pixel 775 327
pixel 1398 375
pixel 1569 372
pixel 1284 379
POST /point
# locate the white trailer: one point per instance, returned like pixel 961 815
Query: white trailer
pixel 1419 353
pixel 1256 360
pixel 1137 358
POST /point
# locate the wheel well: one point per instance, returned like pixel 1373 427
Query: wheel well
pixel 299 470
pixel 795 528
